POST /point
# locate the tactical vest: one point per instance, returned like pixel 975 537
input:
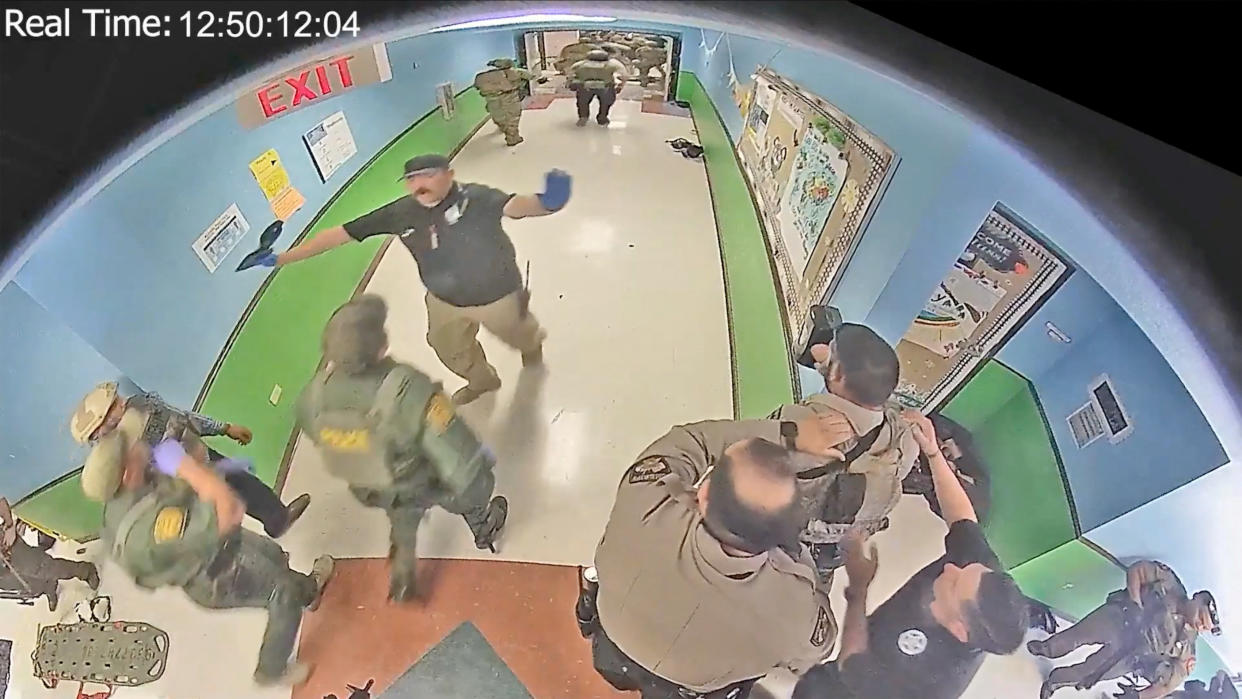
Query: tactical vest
pixel 358 423
pixel 494 82
pixel 594 74
pixel 161 535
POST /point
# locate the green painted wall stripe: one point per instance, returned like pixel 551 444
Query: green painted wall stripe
pixel 762 373
pixel 278 340
pixel 1031 513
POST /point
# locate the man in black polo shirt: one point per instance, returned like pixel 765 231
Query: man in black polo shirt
pixel 466 260
pixel 929 639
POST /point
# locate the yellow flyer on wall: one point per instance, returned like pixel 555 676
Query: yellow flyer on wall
pixel 270 174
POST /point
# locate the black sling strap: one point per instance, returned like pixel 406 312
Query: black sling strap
pixel 864 443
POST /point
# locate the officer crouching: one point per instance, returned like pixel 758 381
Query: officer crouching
pixel 183 530
pixel 703 587
pixel 390 432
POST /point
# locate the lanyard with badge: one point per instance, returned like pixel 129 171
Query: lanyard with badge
pixel 451 213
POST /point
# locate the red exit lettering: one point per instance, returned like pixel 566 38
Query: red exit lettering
pixel 271 100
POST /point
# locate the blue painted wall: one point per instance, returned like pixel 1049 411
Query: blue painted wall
pixel 1172 443
pixel 120 270
pixel 46 370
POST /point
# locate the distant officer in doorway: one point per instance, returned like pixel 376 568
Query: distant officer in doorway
pixel 598 77
pixel 702 585
pixel 499 86
pixel 27 572
pixel 388 431
pixel 148 420
pixel 177 532
pixel 1149 629
pixel 651 56
pixel 466 260
pixel 575 52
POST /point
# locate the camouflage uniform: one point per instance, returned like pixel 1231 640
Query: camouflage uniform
pixel 389 432
pixel 652 55
pixel 499 87
pixel 572 54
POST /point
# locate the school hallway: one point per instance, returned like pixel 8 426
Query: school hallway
pixel 627 281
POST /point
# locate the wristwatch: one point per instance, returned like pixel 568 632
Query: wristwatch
pixel 789 435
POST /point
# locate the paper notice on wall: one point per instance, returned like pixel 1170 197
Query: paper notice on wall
pixel 446 99
pixel 273 179
pixel 331 143
pixel 221 237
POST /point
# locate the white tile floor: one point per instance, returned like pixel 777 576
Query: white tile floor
pixel 627 282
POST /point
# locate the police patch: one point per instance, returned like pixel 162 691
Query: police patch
pixel 819 636
pixel 649 471
pixel 912 642
pixel 169 525
pixel 439 413
pixel 353 440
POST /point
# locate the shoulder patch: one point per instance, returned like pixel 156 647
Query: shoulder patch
pixel 912 642
pixel 819 636
pixel 649 471
pixel 169 525
pixel 439 413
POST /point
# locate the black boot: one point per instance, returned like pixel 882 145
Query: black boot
pixel 493 521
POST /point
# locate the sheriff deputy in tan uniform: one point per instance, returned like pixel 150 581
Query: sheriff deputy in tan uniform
pixel 702 585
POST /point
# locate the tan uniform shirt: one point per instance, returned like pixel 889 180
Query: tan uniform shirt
pixel 886 464
pixel 671 598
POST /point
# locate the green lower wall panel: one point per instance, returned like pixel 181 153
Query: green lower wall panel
pixel 991 387
pixel 278 343
pixel 1030 506
pixel 1072 578
pixel 762 376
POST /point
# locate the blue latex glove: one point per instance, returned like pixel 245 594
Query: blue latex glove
pixel 263 257
pixel 234 466
pixel 268 260
pixel 556 189
pixel 167 456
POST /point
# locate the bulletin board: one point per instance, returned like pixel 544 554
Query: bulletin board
pixel 1003 275
pixel 817 175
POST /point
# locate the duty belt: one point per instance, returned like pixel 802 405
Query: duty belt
pixel 820 532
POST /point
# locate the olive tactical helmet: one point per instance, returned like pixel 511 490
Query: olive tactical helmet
pixel 597 55
pixel 501 63
pixel 92 411
pixel 354 335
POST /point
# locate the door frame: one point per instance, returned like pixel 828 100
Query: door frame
pixel 1070 270
pixel 674 59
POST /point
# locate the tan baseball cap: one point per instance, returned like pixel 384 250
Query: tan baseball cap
pixel 101 474
pixel 92 411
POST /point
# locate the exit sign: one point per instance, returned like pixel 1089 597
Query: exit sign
pixel 312 83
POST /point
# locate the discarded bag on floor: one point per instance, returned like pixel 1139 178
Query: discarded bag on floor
pixel 686 148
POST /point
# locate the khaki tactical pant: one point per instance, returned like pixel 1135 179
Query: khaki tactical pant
pixel 452 331
pixel 405 512
pixel 1104 626
pixel 259 577
pixel 506 112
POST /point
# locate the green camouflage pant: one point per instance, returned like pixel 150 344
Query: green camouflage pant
pixel 405 512
pixel 259 577
pixel 506 111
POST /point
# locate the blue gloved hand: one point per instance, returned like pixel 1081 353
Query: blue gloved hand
pixel 556 189
pixel 167 456
pixel 228 465
pixel 263 257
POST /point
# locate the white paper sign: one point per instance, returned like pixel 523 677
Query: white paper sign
pixel 221 237
pixel 331 143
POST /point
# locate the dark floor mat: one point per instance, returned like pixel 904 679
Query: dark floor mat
pixel 462 666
